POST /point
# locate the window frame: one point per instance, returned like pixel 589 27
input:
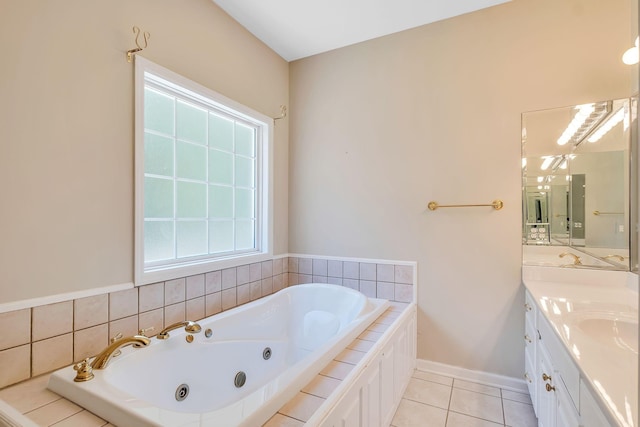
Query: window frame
pixel 174 268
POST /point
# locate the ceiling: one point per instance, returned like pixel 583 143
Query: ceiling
pixel 299 28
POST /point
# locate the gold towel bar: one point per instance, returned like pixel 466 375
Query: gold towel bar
pixel 607 213
pixel 496 204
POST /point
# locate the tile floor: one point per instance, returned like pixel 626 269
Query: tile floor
pixel 437 401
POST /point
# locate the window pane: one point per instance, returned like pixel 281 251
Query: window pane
pixel 244 172
pixel 220 167
pixel 191 161
pixel 191 123
pixel 244 203
pixel 192 238
pixel 192 200
pixel 158 198
pixel 158 155
pixel 220 201
pixel 220 236
pixel 245 232
pixel 158 240
pixel 245 140
pixel 220 133
pixel 158 112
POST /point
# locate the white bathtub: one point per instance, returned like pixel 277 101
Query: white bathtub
pixel 304 326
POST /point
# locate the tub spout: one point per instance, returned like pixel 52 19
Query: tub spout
pixel 576 258
pixel 189 326
pixel 101 360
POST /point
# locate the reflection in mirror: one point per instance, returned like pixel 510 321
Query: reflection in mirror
pixel 576 179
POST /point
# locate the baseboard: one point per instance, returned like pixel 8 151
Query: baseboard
pixel 495 380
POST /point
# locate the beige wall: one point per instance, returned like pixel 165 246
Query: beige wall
pixel 66 128
pixel 380 128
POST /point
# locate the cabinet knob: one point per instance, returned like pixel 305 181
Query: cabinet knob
pixel 546 377
pixel 527 338
pixel 549 387
pixel 527 306
pixel 526 377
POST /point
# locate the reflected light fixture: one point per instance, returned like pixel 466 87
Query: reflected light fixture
pixel 546 163
pixel 630 57
pixel 611 122
pixel 587 117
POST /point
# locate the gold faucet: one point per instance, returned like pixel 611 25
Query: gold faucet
pixel 85 369
pixel 189 326
pixel 101 360
pixel 576 258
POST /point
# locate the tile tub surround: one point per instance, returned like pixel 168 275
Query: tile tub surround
pixel 45 338
pixel 430 399
pixel 45 408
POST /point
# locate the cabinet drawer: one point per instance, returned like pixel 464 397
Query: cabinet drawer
pixel 562 361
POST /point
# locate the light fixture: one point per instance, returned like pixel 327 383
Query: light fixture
pixel 586 119
pixel 540 178
pixel 630 57
pixel 611 122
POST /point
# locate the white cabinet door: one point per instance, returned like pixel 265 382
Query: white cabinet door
pixel 387 406
pixel 371 397
pixel 546 397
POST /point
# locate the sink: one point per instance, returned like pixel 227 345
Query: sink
pixel 612 330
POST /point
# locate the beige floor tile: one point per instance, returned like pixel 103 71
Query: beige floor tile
pixel 519 414
pixel 81 419
pixel 279 420
pixel 302 406
pixel 429 393
pixel 477 405
pixel 337 370
pixel 434 378
pixel 477 387
pixel 460 420
pixel 414 414
pixel 29 395
pixel 322 386
pixel 53 412
pixel 518 397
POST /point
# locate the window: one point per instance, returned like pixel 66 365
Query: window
pixel 202 178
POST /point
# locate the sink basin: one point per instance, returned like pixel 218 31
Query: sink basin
pixel 619 331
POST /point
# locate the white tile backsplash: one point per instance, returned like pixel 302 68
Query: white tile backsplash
pixel 15 327
pixel 195 286
pixel 174 291
pixel 151 297
pixel 51 320
pixel 90 311
pixel 229 278
pixel 213 282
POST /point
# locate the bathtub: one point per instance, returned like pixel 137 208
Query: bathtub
pixel 275 345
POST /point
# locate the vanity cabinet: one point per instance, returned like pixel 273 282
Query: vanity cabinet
pixel 559 395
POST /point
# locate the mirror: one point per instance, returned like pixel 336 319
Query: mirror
pixel 576 185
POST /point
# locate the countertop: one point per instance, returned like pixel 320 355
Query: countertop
pixel 609 363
